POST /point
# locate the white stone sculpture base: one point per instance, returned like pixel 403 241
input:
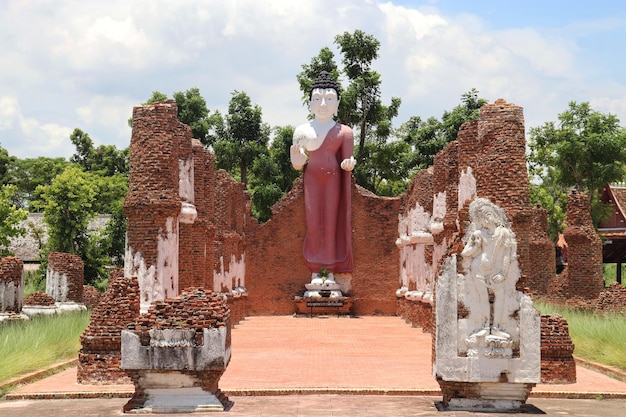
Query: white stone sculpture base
pixel 493 396
pixel 317 286
pixel 58 308
pixel 12 316
pixel 178 400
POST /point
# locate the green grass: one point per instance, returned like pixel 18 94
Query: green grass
pixel 30 345
pixel 597 338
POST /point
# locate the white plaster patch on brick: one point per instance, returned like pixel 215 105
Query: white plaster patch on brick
pixel 11 296
pixel 467 186
pixel 135 266
pixel 56 285
pixel 234 277
pixel 167 261
pixel 412 242
pixel 186 179
pixel 439 212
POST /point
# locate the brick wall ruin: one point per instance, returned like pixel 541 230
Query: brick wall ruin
pixel 487 160
pixel 584 250
pixel 557 360
pixel 65 277
pixel 100 355
pixel 276 270
pixel 11 285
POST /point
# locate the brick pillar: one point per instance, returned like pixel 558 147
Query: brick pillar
pixel 65 277
pixel 584 249
pixel 153 203
pixel 11 284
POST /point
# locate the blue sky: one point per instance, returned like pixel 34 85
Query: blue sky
pixel 67 64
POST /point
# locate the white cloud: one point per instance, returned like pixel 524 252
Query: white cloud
pixel 67 64
pixel 9 111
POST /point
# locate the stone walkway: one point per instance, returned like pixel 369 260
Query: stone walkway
pixel 330 362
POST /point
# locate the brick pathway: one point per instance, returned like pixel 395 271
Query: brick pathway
pixel 287 355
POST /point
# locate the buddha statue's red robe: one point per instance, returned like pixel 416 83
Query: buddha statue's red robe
pixel 327 200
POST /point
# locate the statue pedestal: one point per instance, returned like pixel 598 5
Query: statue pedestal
pixel 323 305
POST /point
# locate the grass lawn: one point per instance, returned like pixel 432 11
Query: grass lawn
pixel 597 338
pixel 31 345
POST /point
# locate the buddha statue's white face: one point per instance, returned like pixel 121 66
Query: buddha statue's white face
pixel 324 103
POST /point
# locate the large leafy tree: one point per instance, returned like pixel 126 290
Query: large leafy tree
pixel 585 150
pixel 245 136
pixel 104 160
pixel 272 174
pixel 428 137
pixel 5 164
pixel 361 107
pixel 10 218
pixel 192 111
pixel 30 173
pixel 69 206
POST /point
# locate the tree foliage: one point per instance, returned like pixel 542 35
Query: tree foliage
pixel 30 173
pixel 10 218
pixel 192 111
pixel 585 150
pixel 360 107
pixel 5 164
pixel 245 136
pixel 105 160
pixel 68 208
pixel 428 137
pixel 272 174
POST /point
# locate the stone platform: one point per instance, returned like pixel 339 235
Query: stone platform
pixel 317 306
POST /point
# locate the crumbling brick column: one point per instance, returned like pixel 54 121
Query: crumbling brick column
pixel 196 250
pixel 11 284
pixel 100 356
pixel 65 277
pixel 157 155
pixel 557 360
pixel 584 260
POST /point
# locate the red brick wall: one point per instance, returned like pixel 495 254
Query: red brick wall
pixel 557 360
pixel 584 250
pixel 73 267
pixel 153 195
pixel 494 147
pixel 11 274
pixel 275 269
pixel 100 356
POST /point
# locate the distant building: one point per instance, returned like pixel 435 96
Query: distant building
pixel 613 230
pixel 27 247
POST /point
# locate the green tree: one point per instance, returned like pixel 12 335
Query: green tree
pixel 245 136
pixel 68 208
pixel 105 160
pixel 362 107
pixel 272 174
pixel 10 218
pixel 384 169
pixel 30 173
pixel 324 61
pixel 5 164
pixel 192 111
pixel 428 137
pixel 114 238
pixel 585 150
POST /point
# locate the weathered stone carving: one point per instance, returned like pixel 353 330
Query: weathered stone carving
pixel 487 333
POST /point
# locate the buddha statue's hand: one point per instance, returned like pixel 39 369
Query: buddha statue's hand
pixel 348 164
pixel 298 156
